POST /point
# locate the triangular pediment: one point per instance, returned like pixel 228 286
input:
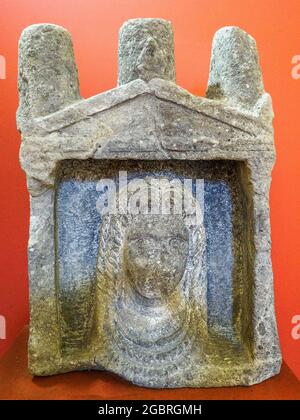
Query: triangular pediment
pixel 157 116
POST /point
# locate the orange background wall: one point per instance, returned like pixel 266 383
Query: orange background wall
pixel 94 26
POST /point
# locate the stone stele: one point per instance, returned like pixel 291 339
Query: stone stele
pixel 162 299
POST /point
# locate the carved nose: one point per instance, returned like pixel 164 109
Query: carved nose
pixel 146 50
pixel 161 254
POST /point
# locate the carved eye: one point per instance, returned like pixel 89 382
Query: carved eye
pixel 137 241
pixel 176 242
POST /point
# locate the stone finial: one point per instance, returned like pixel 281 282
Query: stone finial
pixel 146 50
pixel 235 73
pixel 47 71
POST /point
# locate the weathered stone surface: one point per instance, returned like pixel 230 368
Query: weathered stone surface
pixel 146 50
pixel 47 72
pixel 235 73
pixel 160 300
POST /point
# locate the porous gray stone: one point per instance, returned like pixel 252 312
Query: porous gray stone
pixel 47 72
pixel 159 300
pixel 146 50
pixel 235 73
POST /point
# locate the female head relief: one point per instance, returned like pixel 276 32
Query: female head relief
pixel 156 251
pixel 151 283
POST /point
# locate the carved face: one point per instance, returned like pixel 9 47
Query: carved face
pixel 156 251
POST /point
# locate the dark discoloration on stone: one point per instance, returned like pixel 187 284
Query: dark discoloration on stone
pixel 235 73
pixel 150 304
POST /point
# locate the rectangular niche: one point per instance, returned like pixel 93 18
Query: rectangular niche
pixel 229 249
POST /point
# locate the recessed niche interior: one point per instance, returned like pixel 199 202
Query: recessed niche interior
pixel 227 212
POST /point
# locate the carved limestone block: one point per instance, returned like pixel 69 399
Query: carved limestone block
pixel 149 249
